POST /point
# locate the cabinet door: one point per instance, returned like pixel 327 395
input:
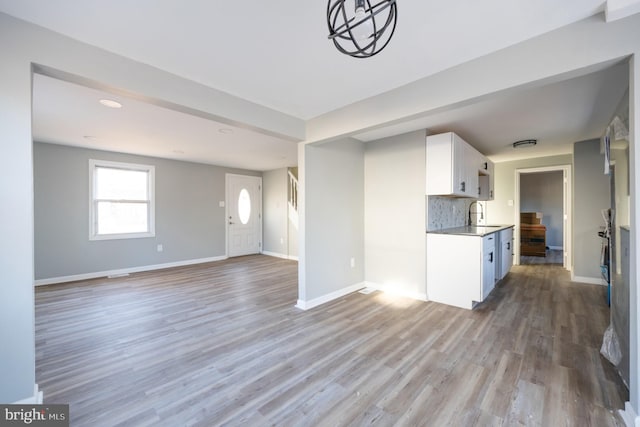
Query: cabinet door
pixel 492 176
pixel 486 180
pixel 506 255
pixel 441 154
pixel 488 264
pixel 470 172
pixel 460 174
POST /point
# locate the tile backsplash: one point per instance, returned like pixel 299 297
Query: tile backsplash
pixel 446 212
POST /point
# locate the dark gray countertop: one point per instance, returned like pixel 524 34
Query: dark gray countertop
pixel 472 230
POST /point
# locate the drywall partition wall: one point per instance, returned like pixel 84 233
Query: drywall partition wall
pixel 332 180
pixel 543 192
pixel 394 214
pixel 274 205
pixel 190 224
pixel 292 230
pixel 591 194
pixel 17 354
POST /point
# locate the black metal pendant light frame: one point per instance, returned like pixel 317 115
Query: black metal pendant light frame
pixel 343 25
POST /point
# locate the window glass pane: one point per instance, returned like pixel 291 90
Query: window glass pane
pixel 117 218
pixel 121 184
pixel 244 206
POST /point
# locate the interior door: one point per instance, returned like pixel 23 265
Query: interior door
pixel 244 215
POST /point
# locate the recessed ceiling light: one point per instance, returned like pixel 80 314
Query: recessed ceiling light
pixel 178 151
pixel 226 131
pixel 90 137
pixel 110 103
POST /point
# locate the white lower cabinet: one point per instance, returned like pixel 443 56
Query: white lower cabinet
pixel 506 253
pixel 460 269
pixel 488 264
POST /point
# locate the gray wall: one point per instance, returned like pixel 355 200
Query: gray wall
pixel 590 196
pixel 275 209
pixel 189 223
pixel 395 245
pixel 543 192
pixel 333 181
pixel 498 210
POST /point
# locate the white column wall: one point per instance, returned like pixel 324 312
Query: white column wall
pixel 17 341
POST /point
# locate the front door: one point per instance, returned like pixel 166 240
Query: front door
pixel 244 215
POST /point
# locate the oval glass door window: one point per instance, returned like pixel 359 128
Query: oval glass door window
pixel 244 206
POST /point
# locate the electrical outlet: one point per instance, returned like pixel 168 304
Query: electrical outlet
pixel 353 262
pixel 221 204
pixel 282 240
pixel 159 248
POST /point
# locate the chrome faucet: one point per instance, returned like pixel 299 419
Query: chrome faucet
pixel 476 212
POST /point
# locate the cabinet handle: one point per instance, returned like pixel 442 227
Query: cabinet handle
pixel 462 186
pixel 491 193
pixel 508 246
pixel 491 257
pixel 486 166
pixel 479 191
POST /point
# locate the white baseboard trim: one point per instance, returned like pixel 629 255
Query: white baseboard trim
pixel 125 271
pixel 556 248
pixel 420 296
pixel 279 255
pixel 307 305
pixel 36 399
pixel 589 280
pixel 629 416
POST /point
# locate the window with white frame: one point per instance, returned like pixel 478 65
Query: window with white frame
pixel 122 200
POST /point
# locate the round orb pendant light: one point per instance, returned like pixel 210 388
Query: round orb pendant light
pixel 360 29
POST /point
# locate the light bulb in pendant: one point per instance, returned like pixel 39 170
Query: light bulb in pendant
pixel 363 31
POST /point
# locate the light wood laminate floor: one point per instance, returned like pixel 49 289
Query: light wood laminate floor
pixel 222 344
pixel 552 256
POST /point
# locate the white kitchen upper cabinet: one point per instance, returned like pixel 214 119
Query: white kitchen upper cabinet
pixel 486 180
pixel 471 159
pixel 449 162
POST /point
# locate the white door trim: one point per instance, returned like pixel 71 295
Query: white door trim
pixel 227 205
pixel 566 208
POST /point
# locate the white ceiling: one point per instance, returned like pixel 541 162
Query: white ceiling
pixel 277 54
pixel 557 115
pixel 69 114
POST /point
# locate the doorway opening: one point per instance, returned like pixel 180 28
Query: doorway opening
pixel 564 222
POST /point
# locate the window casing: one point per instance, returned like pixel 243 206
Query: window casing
pixel 121 200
